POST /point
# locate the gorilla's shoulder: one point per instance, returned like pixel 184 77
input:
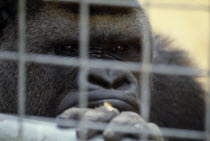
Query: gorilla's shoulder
pixel 164 53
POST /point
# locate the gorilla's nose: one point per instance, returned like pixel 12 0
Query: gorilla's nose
pixel 112 79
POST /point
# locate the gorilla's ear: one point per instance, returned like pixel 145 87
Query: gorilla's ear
pixel 8 11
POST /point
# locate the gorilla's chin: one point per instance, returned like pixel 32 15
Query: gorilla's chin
pixel 123 101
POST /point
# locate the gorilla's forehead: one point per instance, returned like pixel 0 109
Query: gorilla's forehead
pixel 57 23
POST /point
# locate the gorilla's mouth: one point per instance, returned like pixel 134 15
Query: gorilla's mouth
pixel 121 100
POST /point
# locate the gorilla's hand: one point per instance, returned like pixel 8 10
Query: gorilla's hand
pixel 114 119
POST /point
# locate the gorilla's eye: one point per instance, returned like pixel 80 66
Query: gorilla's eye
pixel 67 49
pixel 119 48
pixel 70 48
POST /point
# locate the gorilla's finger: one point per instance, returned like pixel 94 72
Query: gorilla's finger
pixel 155 132
pixel 151 130
pixel 69 114
pixel 84 132
pixel 101 114
pixel 129 119
pixel 73 113
pixel 132 121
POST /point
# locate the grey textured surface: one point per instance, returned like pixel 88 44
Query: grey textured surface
pixel 34 130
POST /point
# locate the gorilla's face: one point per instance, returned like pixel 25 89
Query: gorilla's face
pixel 115 34
pixel 54 30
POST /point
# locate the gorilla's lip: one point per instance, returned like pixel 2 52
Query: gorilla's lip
pixel 123 101
pixel 119 104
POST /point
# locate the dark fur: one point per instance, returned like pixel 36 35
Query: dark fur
pixel 177 101
pixel 180 96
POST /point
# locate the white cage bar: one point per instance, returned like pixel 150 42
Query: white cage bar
pixel 84 57
pixel 21 65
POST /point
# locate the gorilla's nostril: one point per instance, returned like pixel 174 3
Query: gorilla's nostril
pixel 99 81
pixel 111 79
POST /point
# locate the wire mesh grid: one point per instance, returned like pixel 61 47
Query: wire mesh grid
pixel 145 68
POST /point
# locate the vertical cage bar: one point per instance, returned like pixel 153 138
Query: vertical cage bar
pixel 84 69
pixel 21 62
pixel 84 41
pixel 145 75
pixel 207 123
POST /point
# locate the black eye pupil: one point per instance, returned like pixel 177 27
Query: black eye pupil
pixel 66 50
pixel 118 48
pixel 70 48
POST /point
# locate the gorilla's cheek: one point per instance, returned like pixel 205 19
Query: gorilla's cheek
pixel 61 81
pixel 116 87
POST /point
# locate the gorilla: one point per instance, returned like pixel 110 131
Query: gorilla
pixel 115 34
